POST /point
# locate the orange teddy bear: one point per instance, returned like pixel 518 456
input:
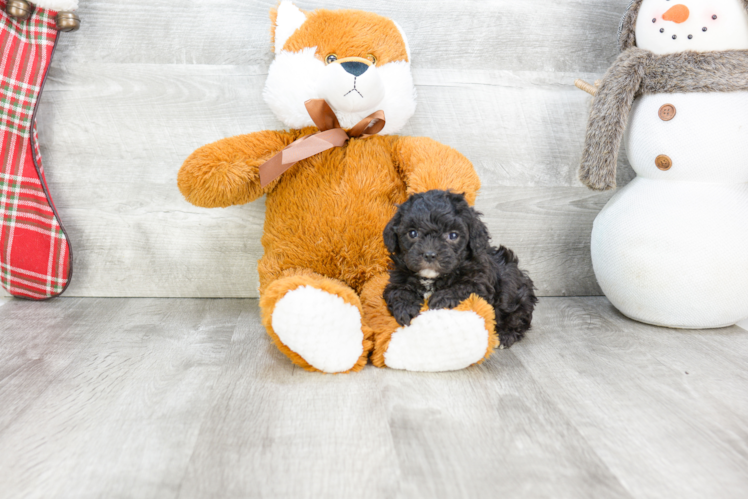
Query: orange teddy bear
pixel 325 264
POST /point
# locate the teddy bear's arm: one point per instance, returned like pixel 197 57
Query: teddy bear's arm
pixel 426 164
pixel 227 172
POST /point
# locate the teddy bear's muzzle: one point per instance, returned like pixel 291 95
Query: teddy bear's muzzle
pixel 352 85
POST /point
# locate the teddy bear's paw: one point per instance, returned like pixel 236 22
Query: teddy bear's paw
pixel 321 328
pixel 439 340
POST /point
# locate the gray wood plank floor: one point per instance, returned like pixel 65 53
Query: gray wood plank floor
pixel 188 398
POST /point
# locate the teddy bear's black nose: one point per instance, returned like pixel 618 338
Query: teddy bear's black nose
pixel 355 68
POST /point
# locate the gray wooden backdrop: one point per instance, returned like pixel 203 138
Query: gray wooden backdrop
pixel 144 83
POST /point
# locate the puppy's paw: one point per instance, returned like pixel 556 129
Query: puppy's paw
pixel 509 338
pixel 404 313
pixel 444 299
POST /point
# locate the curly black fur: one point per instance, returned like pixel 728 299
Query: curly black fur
pixel 440 251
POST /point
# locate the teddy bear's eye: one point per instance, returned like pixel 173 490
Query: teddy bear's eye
pixel 331 59
pixel 372 58
pixel 413 234
pixel 454 236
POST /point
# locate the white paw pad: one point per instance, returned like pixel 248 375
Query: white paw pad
pixel 439 341
pixel 320 327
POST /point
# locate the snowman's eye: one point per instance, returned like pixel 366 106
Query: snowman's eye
pixel 331 59
pixel 662 30
pixel 714 16
pixel 703 29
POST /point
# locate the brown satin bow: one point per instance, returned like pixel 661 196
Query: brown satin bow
pixel 330 135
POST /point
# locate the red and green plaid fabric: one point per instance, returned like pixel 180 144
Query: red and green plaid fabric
pixel 35 258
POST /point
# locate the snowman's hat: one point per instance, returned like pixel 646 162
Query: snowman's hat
pixel 627 28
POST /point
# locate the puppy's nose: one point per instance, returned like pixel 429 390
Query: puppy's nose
pixel 429 256
pixel 355 68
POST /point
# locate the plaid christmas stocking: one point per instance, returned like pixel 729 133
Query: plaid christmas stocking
pixel 35 255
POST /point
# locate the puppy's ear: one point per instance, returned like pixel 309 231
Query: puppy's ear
pixel 479 238
pixel 478 233
pixel 457 200
pixel 390 233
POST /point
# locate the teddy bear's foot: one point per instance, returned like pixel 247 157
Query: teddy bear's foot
pixel 316 321
pixel 436 340
pixel 439 341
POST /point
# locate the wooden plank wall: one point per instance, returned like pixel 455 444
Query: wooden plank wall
pixel 144 83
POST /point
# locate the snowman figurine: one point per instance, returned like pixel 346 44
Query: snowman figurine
pixel 671 248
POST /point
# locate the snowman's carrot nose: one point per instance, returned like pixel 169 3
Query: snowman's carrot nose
pixel 677 13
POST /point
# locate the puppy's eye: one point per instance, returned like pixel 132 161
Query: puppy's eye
pixel 331 59
pixel 372 58
pixel 454 236
pixel 413 234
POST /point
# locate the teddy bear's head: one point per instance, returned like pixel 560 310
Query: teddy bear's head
pixel 357 61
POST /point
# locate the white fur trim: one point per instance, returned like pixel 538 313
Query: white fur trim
pixel 57 5
pixel 295 77
pixel 405 39
pixel 438 341
pixel 289 19
pixel 321 328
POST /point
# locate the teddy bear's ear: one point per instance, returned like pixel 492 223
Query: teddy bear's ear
pixel 286 19
pixel 405 38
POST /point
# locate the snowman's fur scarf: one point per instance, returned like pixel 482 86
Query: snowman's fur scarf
pixel 639 72
pixel 627 29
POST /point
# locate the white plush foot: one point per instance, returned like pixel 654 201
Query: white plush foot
pixel 320 327
pixel 439 341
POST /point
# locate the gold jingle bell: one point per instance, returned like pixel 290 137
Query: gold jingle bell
pixel 68 21
pixel 19 9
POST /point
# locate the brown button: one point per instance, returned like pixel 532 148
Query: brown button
pixel 667 112
pixel 664 162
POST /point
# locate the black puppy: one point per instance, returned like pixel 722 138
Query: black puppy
pixel 440 251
